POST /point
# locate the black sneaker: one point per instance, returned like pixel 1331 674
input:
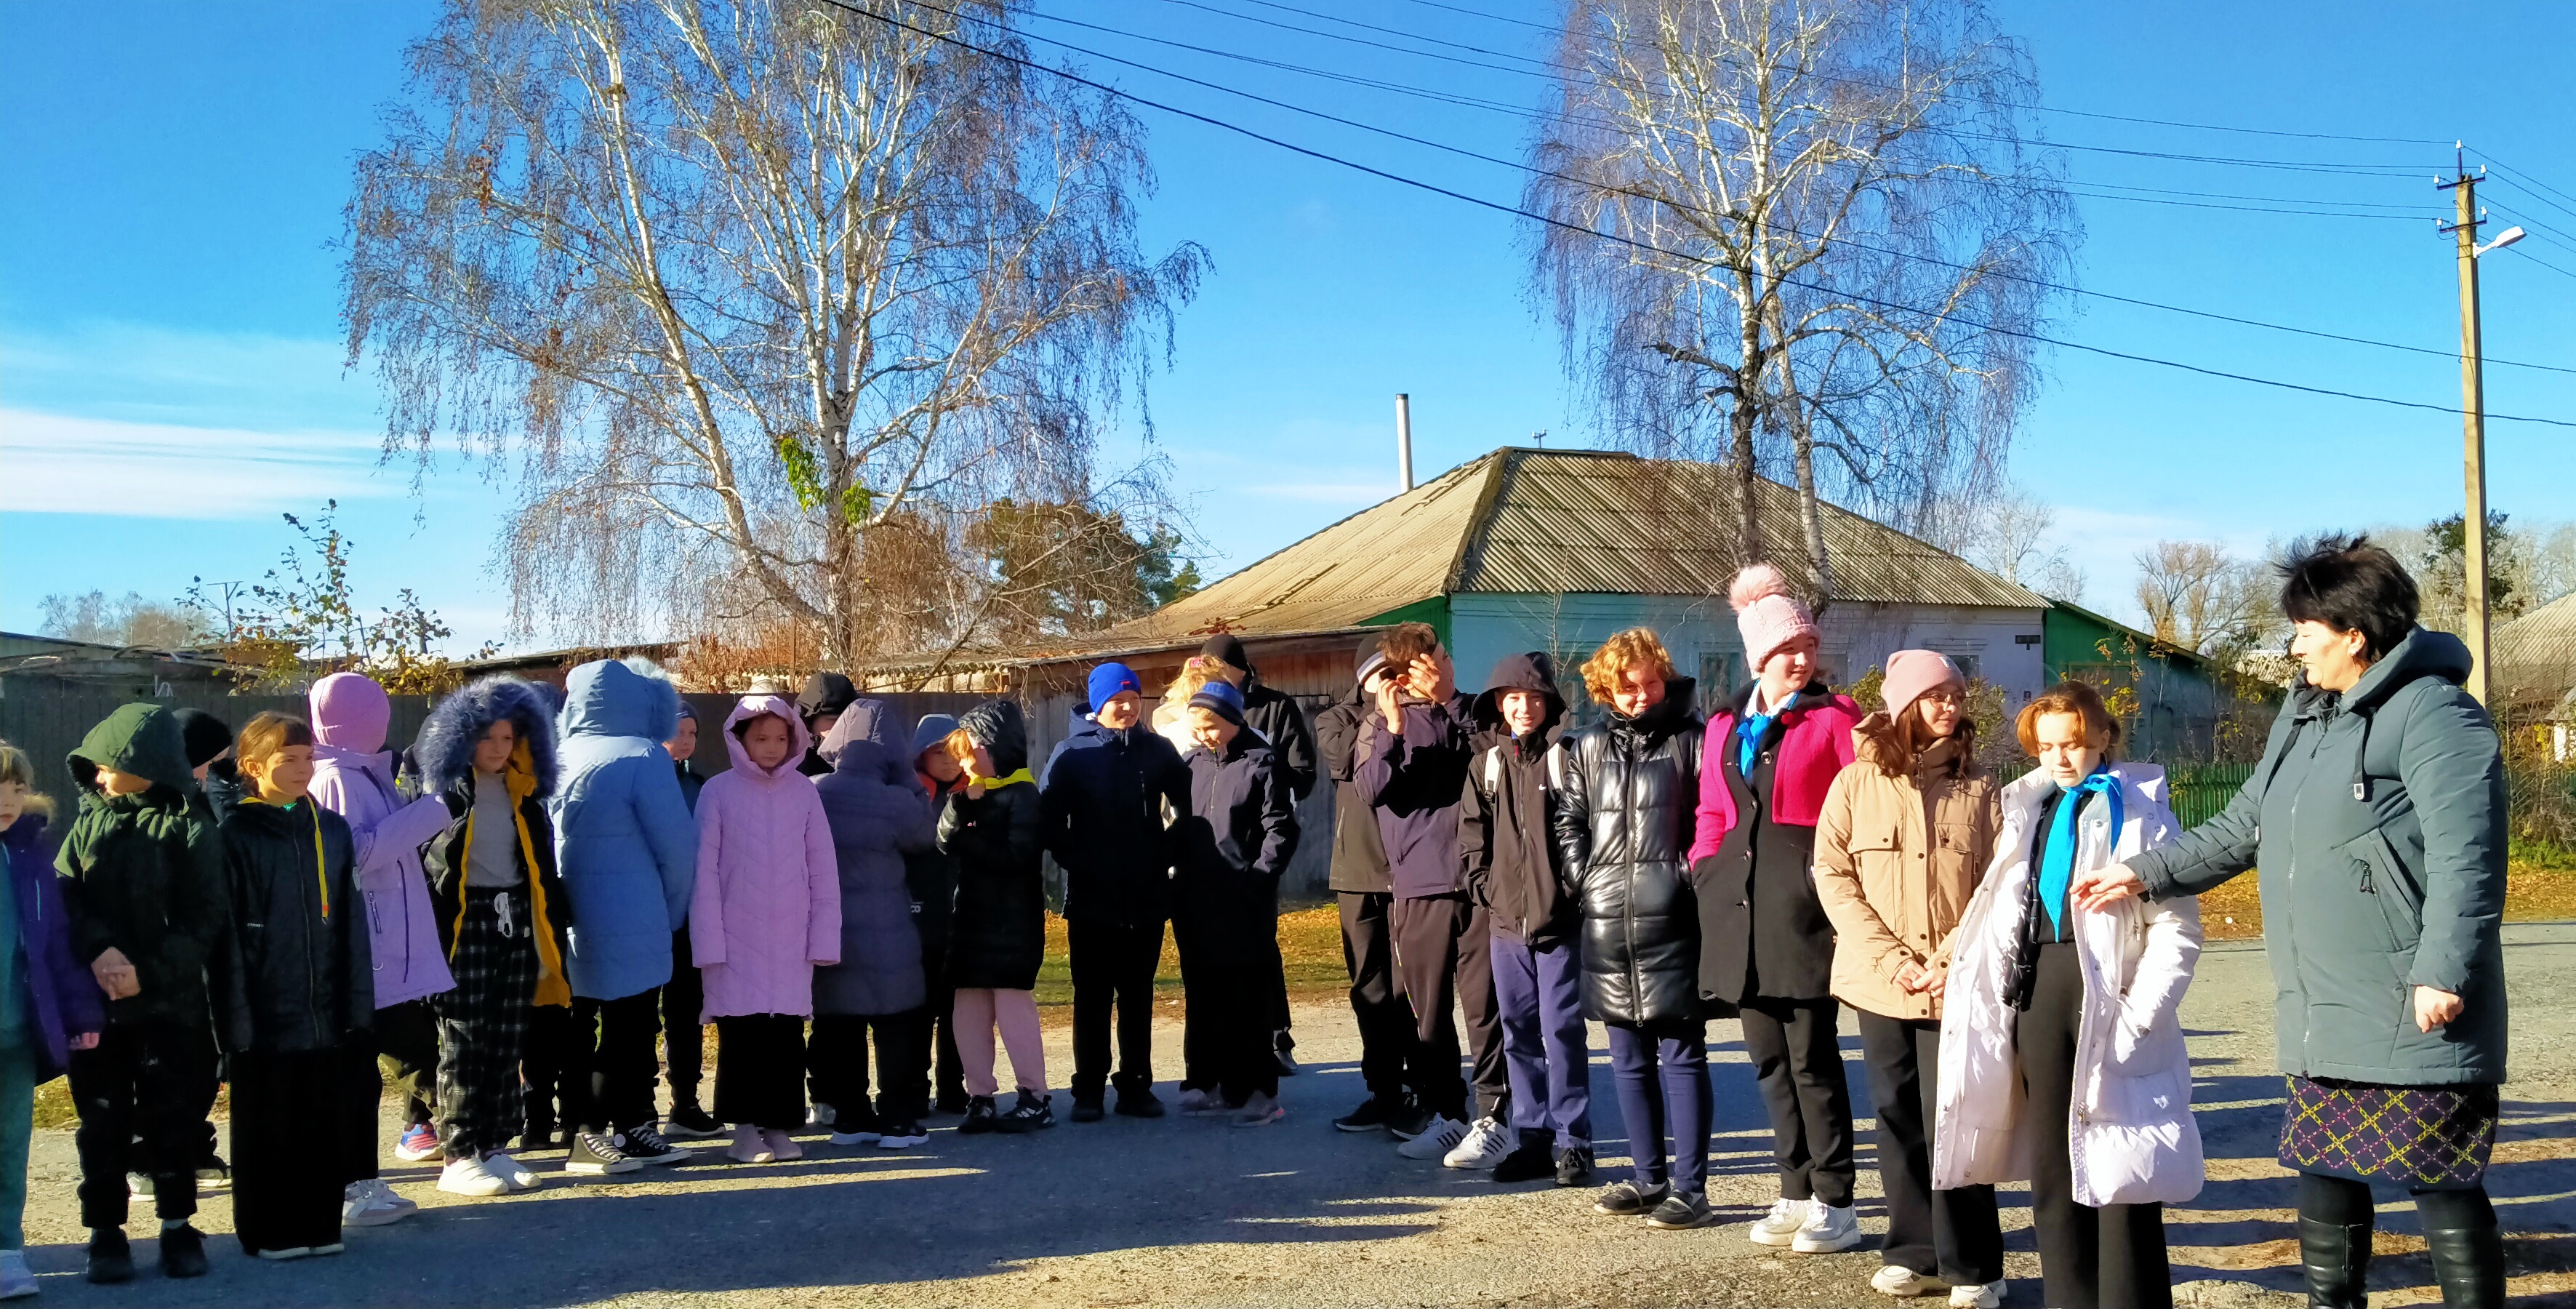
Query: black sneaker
pixel 1573 1165
pixel 1086 1109
pixel 595 1155
pixel 1680 1211
pixel 1530 1161
pixel 111 1260
pixel 1373 1115
pixel 901 1134
pixel 646 1146
pixel 1410 1121
pixel 1138 1102
pixel 1035 1110
pixel 980 1117
pixel 688 1120
pixel 183 1252
pixel 1629 1200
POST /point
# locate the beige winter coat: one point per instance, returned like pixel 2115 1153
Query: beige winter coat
pixel 1896 860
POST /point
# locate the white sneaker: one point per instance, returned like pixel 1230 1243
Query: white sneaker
pixel 1486 1144
pixel 371 1203
pixel 468 1177
pixel 1437 1140
pixel 1903 1282
pixel 1828 1228
pixel 1200 1102
pixel 506 1166
pixel 1987 1296
pixel 823 1117
pixel 1780 1226
pixel 16 1279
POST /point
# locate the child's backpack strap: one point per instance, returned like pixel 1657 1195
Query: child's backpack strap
pixel 1493 771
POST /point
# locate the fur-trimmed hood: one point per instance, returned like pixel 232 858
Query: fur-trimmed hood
pixel 445 749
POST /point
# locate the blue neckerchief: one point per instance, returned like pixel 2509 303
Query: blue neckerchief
pixel 2057 862
pixel 1753 729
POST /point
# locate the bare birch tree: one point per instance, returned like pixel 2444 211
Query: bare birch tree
pixel 1793 228
pixel 763 296
pixel 2202 599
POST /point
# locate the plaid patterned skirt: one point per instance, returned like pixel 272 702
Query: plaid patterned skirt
pixel 2429 1137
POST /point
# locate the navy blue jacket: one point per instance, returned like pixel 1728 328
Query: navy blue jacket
pixel 1102 811
pixel 1241 826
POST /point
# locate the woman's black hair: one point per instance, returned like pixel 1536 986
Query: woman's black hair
pixel 2350 585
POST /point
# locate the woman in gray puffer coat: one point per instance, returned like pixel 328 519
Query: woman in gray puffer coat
pixel 2377 816
pixel 878 816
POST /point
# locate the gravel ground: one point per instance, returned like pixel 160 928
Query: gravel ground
pixel 1184 1212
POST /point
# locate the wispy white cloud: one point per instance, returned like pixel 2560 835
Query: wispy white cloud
pixel 70 465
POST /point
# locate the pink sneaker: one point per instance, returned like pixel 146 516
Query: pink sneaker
pixel 782 1147
pixel 750 1146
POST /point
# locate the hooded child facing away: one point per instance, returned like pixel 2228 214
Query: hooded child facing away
pixel 766 915
pixel 488 758
pixel 143 878
pixel 294 995
pixel 877 819
pixel 622 829
pixel 820 705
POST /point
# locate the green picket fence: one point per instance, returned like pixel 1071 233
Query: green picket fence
pixel 2200 792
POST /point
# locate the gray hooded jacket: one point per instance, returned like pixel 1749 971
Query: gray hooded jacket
pixel 2377 818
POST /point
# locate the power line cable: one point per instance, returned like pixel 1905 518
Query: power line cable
pixel 1502 208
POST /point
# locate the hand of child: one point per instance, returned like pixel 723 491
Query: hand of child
pixel 975 788
pixel 1914 976
pixel 1939 983
pixel 84 1040
pixel 1390 705
pixel 1434 678
pixel 115 974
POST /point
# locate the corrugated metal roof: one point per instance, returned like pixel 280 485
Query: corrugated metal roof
pixel 1554 521
pixel 2537 652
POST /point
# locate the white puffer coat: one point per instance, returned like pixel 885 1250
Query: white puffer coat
pixel 2131 1132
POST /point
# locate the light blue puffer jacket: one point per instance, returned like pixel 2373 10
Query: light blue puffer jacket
pixel 624 839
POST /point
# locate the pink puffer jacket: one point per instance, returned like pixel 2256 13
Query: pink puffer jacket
pixel 767 909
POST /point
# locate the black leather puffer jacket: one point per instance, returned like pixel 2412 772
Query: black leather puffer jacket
pixel 1624 823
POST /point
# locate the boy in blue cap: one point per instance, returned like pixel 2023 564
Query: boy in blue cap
pixel 1102 806
pixel 1237 836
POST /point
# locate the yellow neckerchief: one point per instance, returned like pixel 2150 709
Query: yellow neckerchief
pixel 519 777
pixel 321 875
pixel 991 784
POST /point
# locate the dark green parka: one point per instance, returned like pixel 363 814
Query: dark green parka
pixel 144 873
pixel 2377 818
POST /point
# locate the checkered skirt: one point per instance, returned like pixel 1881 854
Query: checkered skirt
pixel 2434 1137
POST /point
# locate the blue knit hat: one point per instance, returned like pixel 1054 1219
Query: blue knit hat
pixel 1108 680
pixel 1221 699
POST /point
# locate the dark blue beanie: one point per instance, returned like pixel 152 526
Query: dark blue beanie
pixel 1222 699
pixel 1108 680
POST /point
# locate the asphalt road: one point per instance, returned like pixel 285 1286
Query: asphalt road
pixel 1192 1212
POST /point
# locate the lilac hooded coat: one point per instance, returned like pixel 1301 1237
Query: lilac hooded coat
pixel 768 905
pixel 354 778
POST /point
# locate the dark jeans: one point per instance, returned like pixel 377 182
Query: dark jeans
pixel 1378 1007
pixel 760 1071
pixel 404 1042
pixel 284 1194
pixel 1232 993
pixel 1538 997
pixel 684 1035
pixel 1114 964
pixel 1661 1072
pixel 837 1054
pixel 611 1064
pixel 1443 947
pixel 2107 1258
pixel 1953 1235
pixel 935 1045
pixel 1798 1061
pixel 145 1078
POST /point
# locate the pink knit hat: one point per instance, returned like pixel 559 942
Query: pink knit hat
pixel 1911 673
pixel 1767 614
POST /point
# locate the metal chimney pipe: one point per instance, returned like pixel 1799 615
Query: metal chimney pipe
pixel 1404 440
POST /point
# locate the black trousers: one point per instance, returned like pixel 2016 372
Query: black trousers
pixel 401 1050
pixel 837 1057
pixel 935 1044
pixel 614 1057
pixel 284 1194
pixel 1798 1063
pixel 684 1035
pixel 545 1069
pixel 1443 957
pixel 145 1078
pixel 2107 1258
pixel 760 1071
pixel 1114 965
pixel 1247 1061
pixel 1274 979
pixel 1195 933
pixel 1378 1006
pixel 1953 1235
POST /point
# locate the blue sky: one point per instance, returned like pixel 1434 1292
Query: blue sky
pixel 171 374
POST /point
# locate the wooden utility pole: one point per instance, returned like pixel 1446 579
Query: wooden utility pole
pixel 2473 425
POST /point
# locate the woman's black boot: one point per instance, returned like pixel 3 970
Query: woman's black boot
pixel 2335 1255
pixel 2468 1264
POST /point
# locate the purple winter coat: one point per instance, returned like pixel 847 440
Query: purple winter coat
pixel 767 910
pixel 878 815
pixel 354 778
pixel 63 999
pixel 1414 783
